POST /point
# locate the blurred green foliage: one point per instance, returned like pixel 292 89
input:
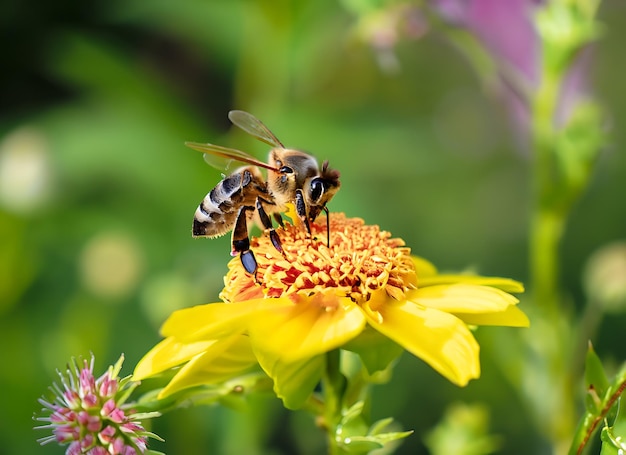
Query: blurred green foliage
pixel 97 191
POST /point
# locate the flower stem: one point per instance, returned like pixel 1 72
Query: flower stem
pixel 546 231
pixel 551 206
pixel 333 384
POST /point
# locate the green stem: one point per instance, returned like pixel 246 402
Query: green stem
pixel 548 215
pixel 548 223
pixel 546 231
pixel 333 385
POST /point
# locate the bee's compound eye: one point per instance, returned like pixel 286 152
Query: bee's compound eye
pixel 317 189
pixel 285 170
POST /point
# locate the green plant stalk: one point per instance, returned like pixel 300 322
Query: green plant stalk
pixel 332 381
pixel 548 220
pixel 546 231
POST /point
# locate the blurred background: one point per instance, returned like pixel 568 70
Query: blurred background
pixel 97 190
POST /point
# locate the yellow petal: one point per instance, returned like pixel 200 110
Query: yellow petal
pixel 167 354
pixel 423 268
pixel 294 382
pixel 440 339
pixel 474 304
pixel 225 359
pixel 512 316
pixel 212 321
pixel 463 298
pixel 312 326
pixel 505 284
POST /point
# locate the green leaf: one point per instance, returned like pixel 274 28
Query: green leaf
pixel 294 382
pixel 377 352
pixel 613 437
pixel 358 445
pixel 355 438
pixel 379 425
pixel 606 410
pixel 365 444
pixel 595 381
pixel 610 444
pixel 352 424
pixel 353 412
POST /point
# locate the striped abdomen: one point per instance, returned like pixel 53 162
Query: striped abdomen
pixel 217 213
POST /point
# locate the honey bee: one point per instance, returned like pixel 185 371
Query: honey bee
pixel 293 177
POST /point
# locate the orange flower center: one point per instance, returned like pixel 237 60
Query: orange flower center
pixel 360 260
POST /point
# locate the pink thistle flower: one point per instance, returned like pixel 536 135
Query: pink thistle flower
pixel 89 414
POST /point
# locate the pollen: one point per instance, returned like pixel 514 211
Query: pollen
pixel 358 260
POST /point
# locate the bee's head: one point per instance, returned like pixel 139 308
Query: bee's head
pixel 294 168
pixel 321 189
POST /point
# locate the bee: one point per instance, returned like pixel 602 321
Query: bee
pixel 293 177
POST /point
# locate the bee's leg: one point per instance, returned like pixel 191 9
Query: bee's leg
pixel 241 242
pixel 325 209
pixel 301 210
pixel 267 224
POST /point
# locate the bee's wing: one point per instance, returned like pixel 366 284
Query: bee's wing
pixel 222 157
pixel 254 127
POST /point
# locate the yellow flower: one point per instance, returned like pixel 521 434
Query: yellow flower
pixel 363 293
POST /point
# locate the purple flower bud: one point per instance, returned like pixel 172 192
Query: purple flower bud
pixel 88 414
